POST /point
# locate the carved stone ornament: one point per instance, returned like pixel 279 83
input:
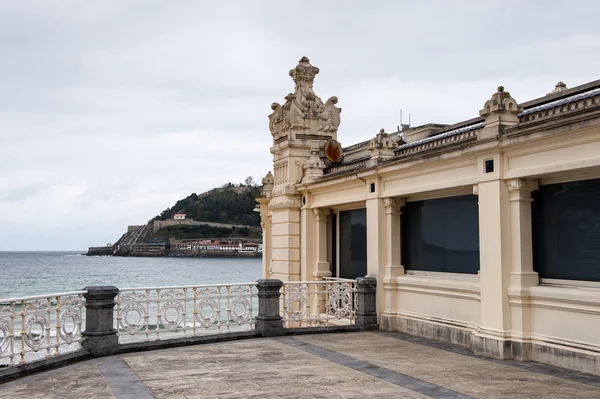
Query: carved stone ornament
pixel 382 145
pixel 285 204
pixel 313 167
pixel 501 107
pixel 394 203
pixel 303 106
pixel 268 182
pixel 560 87
pixel 321 214
pixel 523 185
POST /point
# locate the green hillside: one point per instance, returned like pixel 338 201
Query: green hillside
pixel 230 204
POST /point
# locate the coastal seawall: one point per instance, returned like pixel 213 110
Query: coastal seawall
pixel 101 251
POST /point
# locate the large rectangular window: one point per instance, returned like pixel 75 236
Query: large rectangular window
pixel 353 243
pixel 441 235
pixel 566 230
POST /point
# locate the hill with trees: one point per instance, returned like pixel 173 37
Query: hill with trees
pixel 229 204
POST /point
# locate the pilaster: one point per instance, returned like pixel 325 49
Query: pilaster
pixel 522 275
pixel 493 337
pixel 285 227
pixel 376 246
pixel 393 266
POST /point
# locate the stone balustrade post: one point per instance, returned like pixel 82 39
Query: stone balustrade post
pixel 100 336
pixel 269 322
pixel 366 312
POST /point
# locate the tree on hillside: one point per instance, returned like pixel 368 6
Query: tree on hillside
pixel 249 181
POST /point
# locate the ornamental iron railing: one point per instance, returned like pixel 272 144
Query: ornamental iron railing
pixel 43 326
pixel 327 302
pixel 104 320
pixel 157 313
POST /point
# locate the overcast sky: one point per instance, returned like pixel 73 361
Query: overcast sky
pixel 110 111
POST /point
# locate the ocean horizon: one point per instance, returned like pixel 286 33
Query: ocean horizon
pixel 28 273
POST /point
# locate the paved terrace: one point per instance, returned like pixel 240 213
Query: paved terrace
pixel 349 365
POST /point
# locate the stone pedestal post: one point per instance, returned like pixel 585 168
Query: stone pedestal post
pixel 366 312
pixel 269 322
pixel 100 336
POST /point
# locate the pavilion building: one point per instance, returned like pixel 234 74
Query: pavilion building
pixel 485 233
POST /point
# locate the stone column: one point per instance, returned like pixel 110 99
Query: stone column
pixel 322 268
pixel 265 225
pixel 269 322
pixel 493 337
pixel 522 276
pixel 366 312
pixel 307 239
pixel 376 245
pixel 321 265
pixel 393 267
pixel 100 336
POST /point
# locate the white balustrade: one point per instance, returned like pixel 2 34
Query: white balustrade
pixel 327 302
pixel 156 313
pixel 43 326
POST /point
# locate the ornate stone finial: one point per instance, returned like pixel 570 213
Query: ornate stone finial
pixel 501 108
pixel 560 86
pixel 303 109
pixel 314 166
pixel 382 146
pixel 304 74
pixel 268 183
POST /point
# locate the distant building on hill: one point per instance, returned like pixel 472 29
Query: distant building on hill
pixel 179 216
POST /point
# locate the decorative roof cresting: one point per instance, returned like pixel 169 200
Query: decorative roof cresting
pixel 303 110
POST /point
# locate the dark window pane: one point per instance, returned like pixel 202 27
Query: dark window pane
pixel 353 243
pixel 566 230
pixel 441 235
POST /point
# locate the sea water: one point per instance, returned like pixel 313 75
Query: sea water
pixel 37 273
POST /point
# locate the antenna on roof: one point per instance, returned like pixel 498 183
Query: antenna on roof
pixel 402 125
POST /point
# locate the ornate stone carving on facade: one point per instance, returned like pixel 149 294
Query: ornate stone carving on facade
pixel 393 204
pixel 321 214
pixel 560 86
pixel 501 108
pixel 268 183
pixel 285 204
pixel 314 166
pixel 303 109
pixel 522 188
pixel 382 146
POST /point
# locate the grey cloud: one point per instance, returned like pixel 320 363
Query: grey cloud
pixel 111 111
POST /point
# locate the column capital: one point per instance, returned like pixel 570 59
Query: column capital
pixel 321 214
pixel 393 204
pixel 520 189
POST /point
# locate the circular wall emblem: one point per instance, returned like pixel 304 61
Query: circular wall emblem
pixel 333 150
